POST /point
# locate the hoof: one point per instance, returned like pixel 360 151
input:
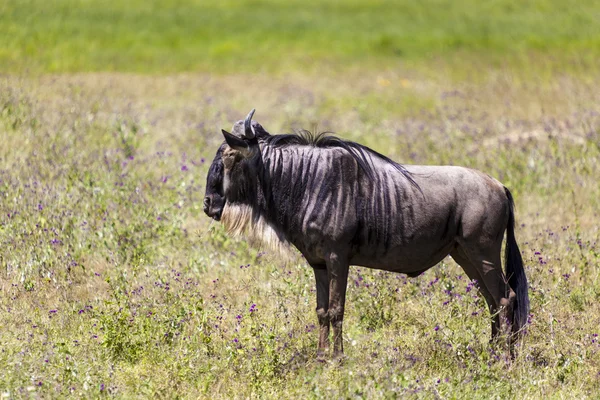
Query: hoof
pixel 322 356
pixel 339 358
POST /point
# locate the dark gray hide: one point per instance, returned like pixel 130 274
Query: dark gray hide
pixel 340 204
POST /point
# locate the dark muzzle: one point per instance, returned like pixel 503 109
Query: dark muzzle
pixel 213 206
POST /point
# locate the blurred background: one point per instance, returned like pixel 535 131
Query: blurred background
pixel 275 37
pixel 113 281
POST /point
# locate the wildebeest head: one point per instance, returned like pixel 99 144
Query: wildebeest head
pixel 240 158
pixel 235 154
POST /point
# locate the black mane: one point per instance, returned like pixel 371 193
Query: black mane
pixel 323 140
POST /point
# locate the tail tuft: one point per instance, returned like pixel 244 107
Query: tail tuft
pixel 515 271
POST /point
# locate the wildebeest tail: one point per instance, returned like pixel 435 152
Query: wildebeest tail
pixel 515 271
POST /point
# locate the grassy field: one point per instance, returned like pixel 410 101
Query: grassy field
pixel 113 283
pixel 274 36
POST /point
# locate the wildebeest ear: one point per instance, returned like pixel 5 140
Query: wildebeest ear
pixel 235 142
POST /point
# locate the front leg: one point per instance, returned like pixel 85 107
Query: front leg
pixel 337 270
pixel 322 308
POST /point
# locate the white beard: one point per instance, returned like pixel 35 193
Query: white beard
pixel 238 221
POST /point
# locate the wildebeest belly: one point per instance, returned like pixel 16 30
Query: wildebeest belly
pixel 411 260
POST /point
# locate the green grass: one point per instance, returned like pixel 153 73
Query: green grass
pixel 114 283
pixel 276 36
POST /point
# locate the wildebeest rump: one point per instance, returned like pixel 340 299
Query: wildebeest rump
pixel 340 203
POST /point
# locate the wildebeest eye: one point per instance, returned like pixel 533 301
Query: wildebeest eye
pixel 216 187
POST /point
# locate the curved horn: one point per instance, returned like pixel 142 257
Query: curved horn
pixel 248 131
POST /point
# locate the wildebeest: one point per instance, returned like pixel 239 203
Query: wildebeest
pixel 340 204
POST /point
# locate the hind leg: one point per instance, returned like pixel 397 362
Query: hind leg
pixel 486 268
pixel 322 281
